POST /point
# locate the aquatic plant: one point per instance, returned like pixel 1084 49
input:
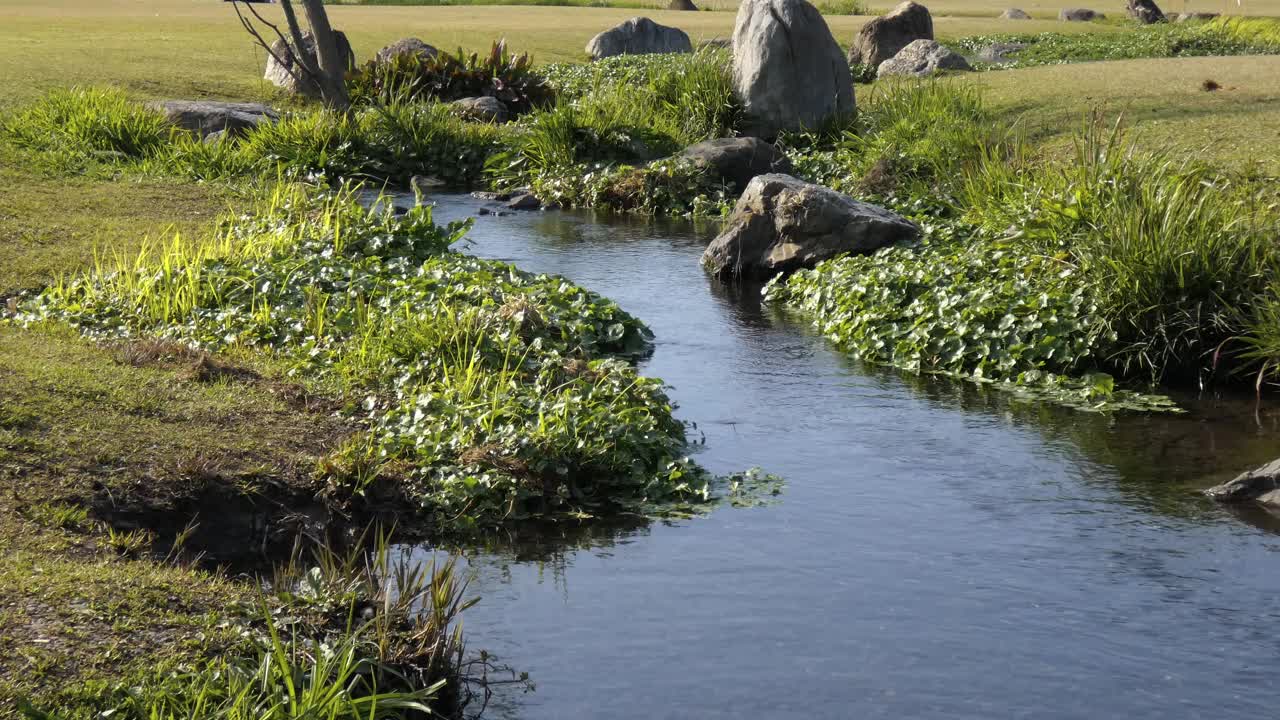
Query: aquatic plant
pixel 491 394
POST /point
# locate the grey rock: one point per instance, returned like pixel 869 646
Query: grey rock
pixel 682 5
pixel 204 117
pixel 921 59
pixel 1145 11
pixel 638 36
pixel 504 213
pixel 1079 15
pixel 484 211
pixel 214 138
pixel 885 36
pixel 408 46
pixel 738 160
pixel 1196 16
pixel 782 224
pixel 788 70
pixel 278 72
pixel 1014 14
pixel 424 184
pixel 1000 52
pixel 482 109
pixel 1261 485
pixel 491 196
pixel 524 201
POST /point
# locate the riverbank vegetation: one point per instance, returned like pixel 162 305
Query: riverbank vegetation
pixel 308 357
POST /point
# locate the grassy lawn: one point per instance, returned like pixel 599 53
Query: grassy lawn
pixel 122 428
pixel 1162 98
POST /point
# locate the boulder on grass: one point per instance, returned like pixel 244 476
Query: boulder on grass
pixel 1261 486
pixel 408 46
pixel 638 36
pixel 737 160
pixel 788 70
pixel 999 53
pixel 482 109
pixel 1196 16
pixel 1145 11
pixel 782 224
pixel 205 118
pixel 280 75
pixel 1079 15
pixel 682 5
pixel 921 59
pixel 1014 14
pixel 885 36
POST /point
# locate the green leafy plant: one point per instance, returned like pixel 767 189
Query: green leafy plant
pixel 452 76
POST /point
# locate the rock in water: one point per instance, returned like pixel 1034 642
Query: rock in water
pixel 788 70
pixel 408 46
pixel 885 36
pixel 638 36
pixel 782 224
pixel 1145 11
pixel 482 109
pixel 1014 14
pixel 278 72
pixel 1079 15
pixel 204 117
pixel 684 5
pixel 922 58
pixel 738 160
pixel 1261 485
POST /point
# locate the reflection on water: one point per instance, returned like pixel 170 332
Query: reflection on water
pixel 942 550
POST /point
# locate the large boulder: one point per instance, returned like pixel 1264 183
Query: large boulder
pixel 1196 16
pixel 682 5
pixel 788 70
pixel 205 118
pixel 1079 15
pixel 1261 485
pixel 885 36
pixel 638 36
pixel 278 72
pixel 782 224
pixel 411 46
pixel 1014 14
pixel 482 109
pixel 737 160
pixel 923 58
pixel 1145 11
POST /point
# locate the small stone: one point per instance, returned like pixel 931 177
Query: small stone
pixel 921 59
pixel 484 211
pixel 1079 15
pixel 525 201
pixel 482 109
pixel 408 46
pixel 423 184
pixel 638 36
pixel 1014 14
pixel 491 196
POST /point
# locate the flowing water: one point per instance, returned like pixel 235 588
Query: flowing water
pixel 940 551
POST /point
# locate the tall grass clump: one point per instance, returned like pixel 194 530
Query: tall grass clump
pixel 342 635
pixel 1262 32
pixel 619 114
pixel 492 395
pixel 85 121
pixel 1172 250
pixel 911 139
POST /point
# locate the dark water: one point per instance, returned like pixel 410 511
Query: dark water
pixel 940 551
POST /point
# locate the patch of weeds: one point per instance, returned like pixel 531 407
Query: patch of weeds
pixel 84 124
pixel 459 365
pixel 58 516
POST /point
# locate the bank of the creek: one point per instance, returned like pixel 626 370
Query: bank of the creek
pixel 941 551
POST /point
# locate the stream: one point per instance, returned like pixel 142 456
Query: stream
pixel 941 550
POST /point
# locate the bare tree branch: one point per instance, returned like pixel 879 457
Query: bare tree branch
pixel 249 27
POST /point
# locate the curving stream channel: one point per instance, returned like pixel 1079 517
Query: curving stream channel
pixel 940 551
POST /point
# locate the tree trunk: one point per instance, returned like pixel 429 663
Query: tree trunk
pixel 331 74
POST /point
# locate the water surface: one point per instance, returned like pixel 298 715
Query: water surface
pixel 941 551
